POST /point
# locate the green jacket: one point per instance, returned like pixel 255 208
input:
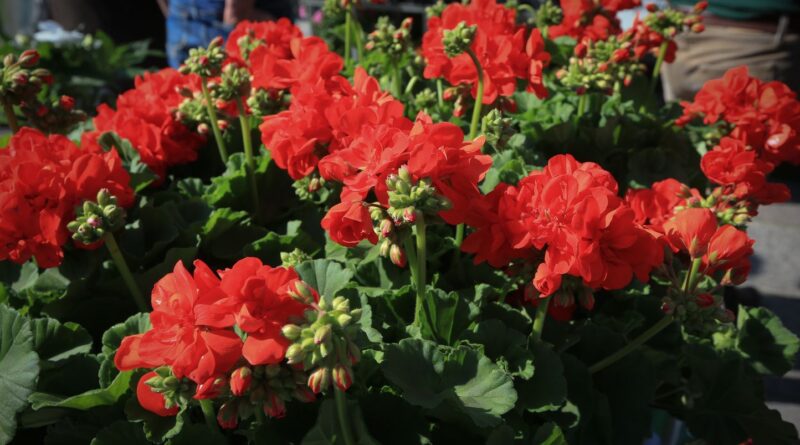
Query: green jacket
pixel 746 9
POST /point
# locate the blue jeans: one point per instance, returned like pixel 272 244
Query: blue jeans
pixel 192 23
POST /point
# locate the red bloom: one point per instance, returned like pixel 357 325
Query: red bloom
pixel 500 46
pixel 258 297
pixel 275 36
pixel 145 116
pixel 654 206
pixel 189 328
pixel 589 19
pixel 42 180
pixel 151 400
pixel 348 223
pixel 690 230
pixel 308 60
pixel 729 248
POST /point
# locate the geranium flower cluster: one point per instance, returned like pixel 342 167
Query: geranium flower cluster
pixel 502 48
pixel 146 116
pixel 42 179
pixel 765 121
pixel 195 352
pixel 567 220
pixel 590 19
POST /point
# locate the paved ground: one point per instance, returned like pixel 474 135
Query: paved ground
pixel 776 277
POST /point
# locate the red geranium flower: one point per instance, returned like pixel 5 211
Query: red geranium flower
pixel 276 36
pixel 690 230
pixel 43 179
pixel 348 223
pixel 189 331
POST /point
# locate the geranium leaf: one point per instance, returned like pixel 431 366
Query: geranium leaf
pixel 141 175
pixel 121 433
pixel 112 337
pixel 326 276
pixel 327 430
pixel 19 369
pixel 768 345
pixel 549 434
pixel 86 400
pixel 54 341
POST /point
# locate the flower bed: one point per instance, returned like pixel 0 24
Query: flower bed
pixel 498 237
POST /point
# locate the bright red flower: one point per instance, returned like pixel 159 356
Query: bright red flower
pixel 308 60
pixel 654 206
pixel 589 19
pixel 259 298
pixel 690 230
pixel 275 36
pixel 42 180
pixel 151 400
pixel 729 248
pixel 500 46
pixel 145 116
pixel 189 328
pixel 348 223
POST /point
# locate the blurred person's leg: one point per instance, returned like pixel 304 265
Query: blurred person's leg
pixel 193 23
pixel 771 50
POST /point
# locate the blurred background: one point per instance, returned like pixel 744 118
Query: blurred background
pixel 95 48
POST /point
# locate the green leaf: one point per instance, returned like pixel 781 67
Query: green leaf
pixel 767 344
pixel 156 428
pixel 121 433
pixel 19 369
pixel 141 175
pixel 549 434
pixel 54 341
pixel 446 316
pixel 112 338
pixel 446 379
pixel 326 276
pixel 86 400
pixel 198 434
pixel 503 343
pixel 547 389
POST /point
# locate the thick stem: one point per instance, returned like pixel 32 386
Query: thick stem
pixel 347 30
pixel 633 345
pixel 250 165
pixel 440 93
pixel 476 112
pixel 10 116
pixel 212 116
pixel 410 85
pixel 538 321
pixel 396 81
pixel 208 412
pixel 411 257
pixel 344 421
pixel 691 278
pixel 459 235
pixel 662 53
pixel 583 101
pixel 122 267
pixel 420 276
pixel 356 34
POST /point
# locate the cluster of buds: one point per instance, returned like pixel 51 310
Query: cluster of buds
pixel 294 258
pixel 548 14
pixel 458 39
pixel 192 113
pixel 436 9
pixel 205 62
pixel 498 129
pixel 425 100
pixel 310 187
pixel 728 208
pixel 324 342
pixel 570 294
pixel 669 22
pixel 408 197
pixel 389 39
pixel 265 388
pixel 176 392
pixel 234 84
pixel 263 102
pixel 700 313
pixel 97 218
pixel 59 117
pixel 460 95
pixel 248 42
pixel 600 66
pixel 20 80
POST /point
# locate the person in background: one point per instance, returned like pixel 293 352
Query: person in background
pixel 762 34
pixel 193 23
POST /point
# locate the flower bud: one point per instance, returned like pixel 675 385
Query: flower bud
pixel 344 319
pixel 322 334
pixel 342 377
pixel 386 227
pixel 291 331
pixel 397 255
pixel 29 58
pixel 228 414
pixel 240 380
pixel 302 292
pixel 304 394
pixel 274 406
pixel 319 380
pixel 67 102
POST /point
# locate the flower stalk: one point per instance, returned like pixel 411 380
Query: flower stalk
pixel 250 165
pixel 208 413
pixel 632 346
pixel 11 117
pixel 538 321
pixel 347 30
pixel 212 116
pixel 420 274
pixel 476 111
pixel 125 271
pixel 341 413
pixel 662 53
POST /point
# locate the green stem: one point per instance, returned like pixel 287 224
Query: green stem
pixel 212 116
pixel 10 116
pixel 538 321
pixel 633 345
pixel 662 53
pixel 357 35
pixel 347 30
pixel 476 112
pixel 583 101
pixel 122 267
pixel 396 84
pixel 421 268
pixel 440 93
pixel 410 85
pixel 250 166
pixel 691 278
pixel 341 411
pixel 208 412
pixel 459 235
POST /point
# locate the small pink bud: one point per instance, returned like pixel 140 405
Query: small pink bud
pixel 240 380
